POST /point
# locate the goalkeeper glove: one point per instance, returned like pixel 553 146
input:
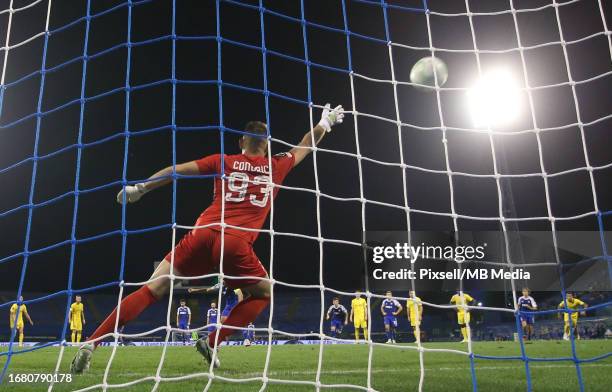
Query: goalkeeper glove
pixel 133 193
pixel 331 117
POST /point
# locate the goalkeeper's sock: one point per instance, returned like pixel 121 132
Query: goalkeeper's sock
pixel 464 333
pixel 356 334
pixel 78 337
pixel 131 307
pixel 243 313
pixel 73 337
pixel 20 339
pixel 365 333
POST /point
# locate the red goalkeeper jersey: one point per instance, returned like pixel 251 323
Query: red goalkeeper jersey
pixel 247 190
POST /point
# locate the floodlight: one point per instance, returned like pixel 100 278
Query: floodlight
pixel 495 99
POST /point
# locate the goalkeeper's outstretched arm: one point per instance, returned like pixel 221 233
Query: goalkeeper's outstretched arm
pixel 329 118
pixel 163 177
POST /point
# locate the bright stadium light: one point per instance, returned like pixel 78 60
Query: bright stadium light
pixel 494 100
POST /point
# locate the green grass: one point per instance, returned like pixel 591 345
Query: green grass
pixel 392 369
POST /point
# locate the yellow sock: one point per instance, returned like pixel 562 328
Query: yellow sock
pixel 566 330
pixel 365 333
pixel 20 339
pixel 464 333
pixel 73 337
pixel 78 337
pixel 357 334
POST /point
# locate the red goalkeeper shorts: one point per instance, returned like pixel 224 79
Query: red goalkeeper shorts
pixel 199 253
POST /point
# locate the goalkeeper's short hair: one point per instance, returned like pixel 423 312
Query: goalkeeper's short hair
pixel 254 128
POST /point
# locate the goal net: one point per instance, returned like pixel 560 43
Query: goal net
pixel 94 96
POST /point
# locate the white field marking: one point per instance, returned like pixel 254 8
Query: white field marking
pixel 363 371
pixel 416 369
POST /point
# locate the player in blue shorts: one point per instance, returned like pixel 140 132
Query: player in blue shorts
pixel 232 297
pixel 211 316
pixel 339 317
pixel 249 334
pixel 183 319
pixel 390 308
pixel 527 303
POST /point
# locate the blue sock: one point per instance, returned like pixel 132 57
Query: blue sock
pixel 389 335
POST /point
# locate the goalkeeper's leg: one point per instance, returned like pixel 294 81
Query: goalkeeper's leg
pixel 130 307
pixel 257 299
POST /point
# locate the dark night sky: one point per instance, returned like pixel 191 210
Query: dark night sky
pixel 295 260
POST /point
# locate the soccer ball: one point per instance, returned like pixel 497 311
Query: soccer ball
pixel 423 72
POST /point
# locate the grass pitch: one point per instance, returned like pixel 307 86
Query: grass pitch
pixel 393 369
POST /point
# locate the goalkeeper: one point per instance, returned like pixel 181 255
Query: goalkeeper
pixel 247 193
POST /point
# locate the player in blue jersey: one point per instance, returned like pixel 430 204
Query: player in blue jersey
pixel 183 319
pixel 232 297
pixel 249 334
pixel 211 316
pixel 527 303
pixel 390 308
pixel 339 317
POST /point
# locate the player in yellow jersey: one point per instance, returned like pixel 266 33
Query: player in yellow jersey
pixel 18 313
pixel 463 315
pixel 359 315
pixel 77 319
pixel 414 312
pixel 573 303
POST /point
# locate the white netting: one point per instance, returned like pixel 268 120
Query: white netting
pixel 352 108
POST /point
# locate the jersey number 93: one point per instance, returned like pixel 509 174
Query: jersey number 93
pixel 238 183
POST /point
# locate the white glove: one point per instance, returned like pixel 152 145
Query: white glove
pixel 331 117
pixel 133 193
